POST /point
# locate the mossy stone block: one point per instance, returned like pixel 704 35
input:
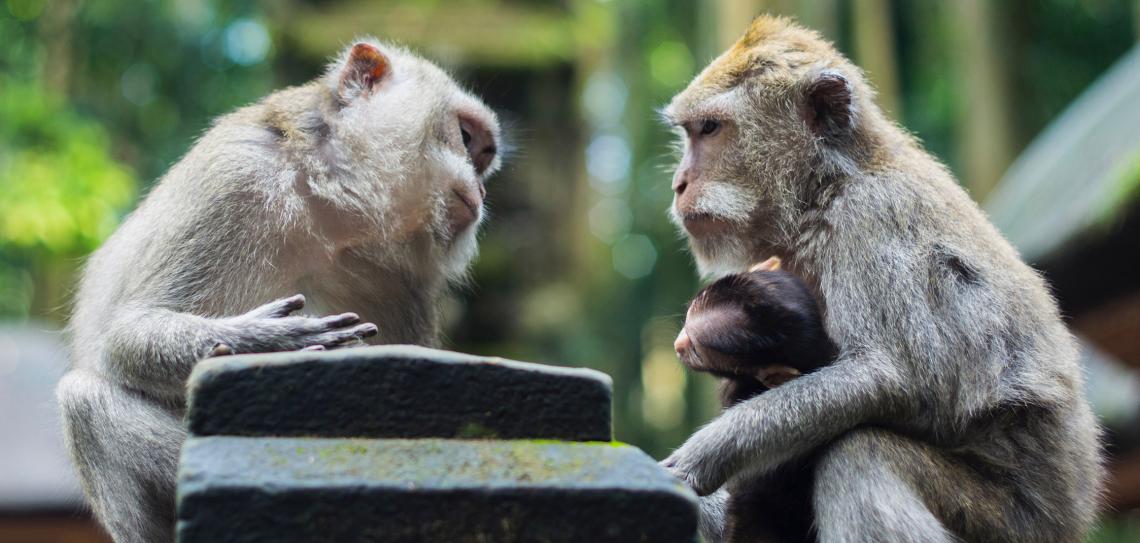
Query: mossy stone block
pixel 237 489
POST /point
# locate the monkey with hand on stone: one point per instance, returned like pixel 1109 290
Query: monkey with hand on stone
pixel 361 190
pixel 953 409
pixel 756 331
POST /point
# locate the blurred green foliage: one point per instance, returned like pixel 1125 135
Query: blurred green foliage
pixel 91 93
pixel 62 191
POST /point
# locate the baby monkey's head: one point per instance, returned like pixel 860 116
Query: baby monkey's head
pixel 761 325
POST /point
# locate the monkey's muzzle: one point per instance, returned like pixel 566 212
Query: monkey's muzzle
pixel 463 210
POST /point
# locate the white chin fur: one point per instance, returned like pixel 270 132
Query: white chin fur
pixel 727 201
pixel 719 257
pixel 459 255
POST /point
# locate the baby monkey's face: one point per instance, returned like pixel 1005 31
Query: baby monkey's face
pixel 763 325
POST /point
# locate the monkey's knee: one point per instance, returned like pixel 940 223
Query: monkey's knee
pixel 859 494
pixel 126 451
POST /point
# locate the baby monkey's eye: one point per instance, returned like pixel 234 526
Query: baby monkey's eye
pixel 709 127
pixel 466 136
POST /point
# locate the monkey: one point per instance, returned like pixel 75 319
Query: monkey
pixel 756 331
pixel 953 409
pixel 356 196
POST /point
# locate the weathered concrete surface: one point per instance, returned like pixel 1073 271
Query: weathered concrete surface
pixel 235 489
pixel 399 392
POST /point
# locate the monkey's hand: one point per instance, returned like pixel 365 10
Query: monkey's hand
pixel 272 327
pixel 698 463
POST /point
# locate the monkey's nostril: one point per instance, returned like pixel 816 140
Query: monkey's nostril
pixel 479 142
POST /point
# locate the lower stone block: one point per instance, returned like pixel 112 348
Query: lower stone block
pixel 240 489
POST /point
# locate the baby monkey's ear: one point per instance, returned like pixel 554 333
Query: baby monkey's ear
pixel 829 107
pixel 365 68
pixel 772 264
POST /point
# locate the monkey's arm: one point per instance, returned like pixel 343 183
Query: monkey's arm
pixel 765 431
pixel 155 349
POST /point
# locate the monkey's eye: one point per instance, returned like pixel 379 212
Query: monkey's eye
pixel 709 127
pixel 466 136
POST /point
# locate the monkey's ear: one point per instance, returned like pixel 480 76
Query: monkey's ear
pixel 365 68
pixel 829 108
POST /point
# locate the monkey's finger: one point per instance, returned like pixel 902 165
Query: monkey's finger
pixel 280 308
pixel 221 349
pixel 340 321
pixel 311 348
pixel 337 338
pixel 352 343
pixel 772 264
pixel 366 330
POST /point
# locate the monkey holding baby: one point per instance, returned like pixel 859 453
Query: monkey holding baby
pixel 362 189
pixel 756 331
pixel 945 401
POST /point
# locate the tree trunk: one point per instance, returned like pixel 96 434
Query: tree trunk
pixel 875 51
pixel 986 136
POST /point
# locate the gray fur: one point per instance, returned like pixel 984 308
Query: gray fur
pixel 334 190
pixel 955 407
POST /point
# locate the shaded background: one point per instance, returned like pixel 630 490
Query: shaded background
pixel 1034 104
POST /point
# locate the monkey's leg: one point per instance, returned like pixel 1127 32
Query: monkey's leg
pixel 126 450
pixel 773 507
pixel 876 485
pixel 710 523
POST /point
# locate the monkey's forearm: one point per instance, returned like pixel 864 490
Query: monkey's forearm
pixel 155 349
pixel 765 431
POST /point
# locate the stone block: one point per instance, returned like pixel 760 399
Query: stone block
pixel 238 489
pixel 397 392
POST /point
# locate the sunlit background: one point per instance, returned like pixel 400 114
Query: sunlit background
pixel 1034 104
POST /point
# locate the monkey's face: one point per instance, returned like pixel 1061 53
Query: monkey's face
pixel 756 129
pixel 428 148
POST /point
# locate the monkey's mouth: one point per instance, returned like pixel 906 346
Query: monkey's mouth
pixel 463 210
pixel 704 224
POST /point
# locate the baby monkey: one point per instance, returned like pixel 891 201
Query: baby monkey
pixel 756 331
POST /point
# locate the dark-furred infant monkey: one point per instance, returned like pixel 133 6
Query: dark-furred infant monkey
pixel 755 331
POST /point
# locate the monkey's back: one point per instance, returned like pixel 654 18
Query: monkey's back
pixel 978 329
pixel 208 206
